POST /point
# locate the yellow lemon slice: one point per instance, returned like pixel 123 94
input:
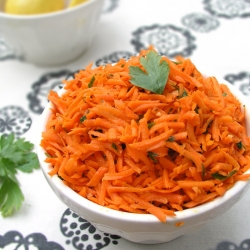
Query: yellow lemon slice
pixel 30 7
pixel 73 3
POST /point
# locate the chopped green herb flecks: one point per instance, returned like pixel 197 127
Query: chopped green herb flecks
pixel 218 176
pixel 83 118
pixel 175 86
pixel 150 125
pixel 224 94
pixel 91 82
pixel 152 156
pixel 184 93
pixel 239 145
pixel 140 117
pixel 114 146
pixel 48 155
pixel 155 76
pixel 171 139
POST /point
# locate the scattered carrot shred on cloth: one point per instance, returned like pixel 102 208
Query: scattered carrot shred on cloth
pixel 129 149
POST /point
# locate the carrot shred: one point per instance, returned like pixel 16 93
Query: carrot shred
pixel 132 150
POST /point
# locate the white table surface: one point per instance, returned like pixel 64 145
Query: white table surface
pixel 213 33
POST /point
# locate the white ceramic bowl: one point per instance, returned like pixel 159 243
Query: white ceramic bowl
pixel 143 228
pixel 54 38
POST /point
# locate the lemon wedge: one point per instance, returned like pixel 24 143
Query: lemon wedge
pixel 30 7
pixel 73 3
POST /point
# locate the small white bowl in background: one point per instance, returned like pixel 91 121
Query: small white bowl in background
pixel 54 38
pixel 143 228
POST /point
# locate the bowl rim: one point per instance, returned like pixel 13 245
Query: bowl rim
pixel 49 14
pixel 189 213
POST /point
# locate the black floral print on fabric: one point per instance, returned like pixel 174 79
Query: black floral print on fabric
pixel 81 234
pixel 5 51
pixel 38 96
pixel 200 22
pixel 228 8
pixel 227 245
pixel 167 39
pixel 113 58
pixel 241 81
pixel 14 119
pixel 110 5
pixel 14 240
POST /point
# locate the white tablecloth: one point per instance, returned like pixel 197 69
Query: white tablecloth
pixel 213 33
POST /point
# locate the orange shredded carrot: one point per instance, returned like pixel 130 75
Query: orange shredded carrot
pixel 132 150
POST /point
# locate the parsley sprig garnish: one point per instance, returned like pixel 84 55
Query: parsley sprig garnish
pixel 155 76
pixel 15 155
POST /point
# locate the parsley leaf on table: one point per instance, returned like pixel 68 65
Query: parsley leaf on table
pixel 156 75
pixel 14 155
pixel 11 197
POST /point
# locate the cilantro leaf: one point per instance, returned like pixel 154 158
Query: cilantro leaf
pixel 15 155
pixel 156 75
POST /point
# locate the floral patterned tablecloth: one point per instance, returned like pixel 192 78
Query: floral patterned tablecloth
pixel 213 33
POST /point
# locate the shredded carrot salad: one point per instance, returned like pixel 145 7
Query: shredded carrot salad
pixel 132 150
